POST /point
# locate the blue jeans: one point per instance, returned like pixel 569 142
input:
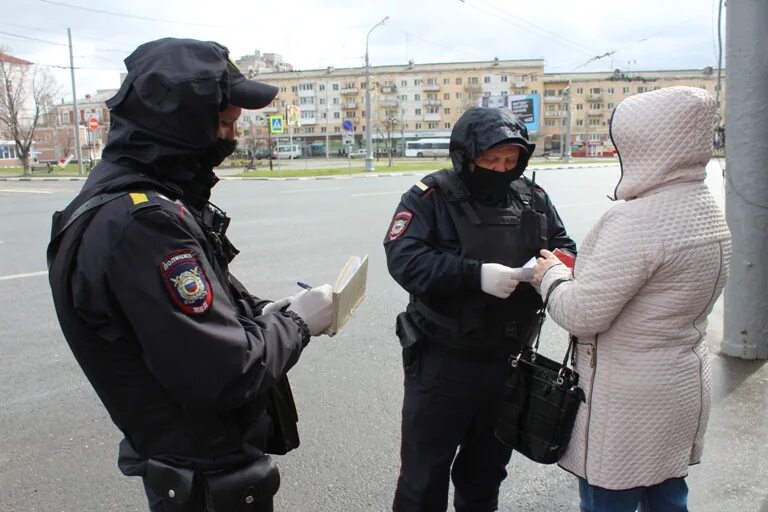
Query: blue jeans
pixel 668 496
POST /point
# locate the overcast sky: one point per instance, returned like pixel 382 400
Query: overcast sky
pixel 311 34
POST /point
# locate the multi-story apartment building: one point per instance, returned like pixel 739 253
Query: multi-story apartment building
pixel 425 100
pixel 407 101
pixel 257 63
pixel 593 97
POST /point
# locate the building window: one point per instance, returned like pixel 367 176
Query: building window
pixel 473 80
pixel 579 90
pixel 417 81
pixel 486 79
pixel 548 93
pixel 418 126
pixel 321 87
pixel 610 106
pixel 458 95
pixel 309 129
pixel 335 101
pixel 335 87
pixel 417 97
pixel 579 106
pixel 431 126
pixel 549 122
pixel 446 95
pixel 642 90
pixel 322 129
pixel 446 111
pixel 283 89
pixel 594 136
pixel 579 122
pixel 458 81
pixel 337 115
pixel 417 112
pixel 504 78
pixel 594 122
pixel 610 90
pixel 403 83
pixel 294 88
pixel 430 81
pixel 565 122
pixel 595 90
pixel 446 81
pixel 447 126
pixel 625 90
pixel 336 129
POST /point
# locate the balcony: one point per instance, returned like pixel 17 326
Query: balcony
pixel 519 85
pixel 306 94
pixel 433 103
pixel 595 97
pixel 349 90
pixel 308 121
pixel 350 105
pixel 432 88
pixel 473 88
pixel 555 113
pixel 431 117
pixel 388 89
pixel 595 113
pixel 553 99
pixel 307 106
pixel 389 102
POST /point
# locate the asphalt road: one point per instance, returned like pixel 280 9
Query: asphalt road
pixel 58 446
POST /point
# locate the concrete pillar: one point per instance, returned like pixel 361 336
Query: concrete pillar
pixel 745 332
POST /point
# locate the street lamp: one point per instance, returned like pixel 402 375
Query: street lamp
pixel 368 144
pixel 566 150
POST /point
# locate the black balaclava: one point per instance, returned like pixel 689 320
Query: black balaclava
pixel 478 130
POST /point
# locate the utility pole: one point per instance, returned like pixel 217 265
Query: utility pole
pixel 745 331
pixel 569 108
pixel 76 116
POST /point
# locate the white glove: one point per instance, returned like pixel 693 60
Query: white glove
pixel 315 307
pixel 496 280
pixel 274 307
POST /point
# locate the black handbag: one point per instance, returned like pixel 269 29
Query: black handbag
pixel 540 401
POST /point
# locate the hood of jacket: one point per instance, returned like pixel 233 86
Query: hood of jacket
pixel 479 129
pixel 662 137
pixel 165 117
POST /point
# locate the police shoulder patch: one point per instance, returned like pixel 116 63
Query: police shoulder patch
pixel 400 223
pixel 186 282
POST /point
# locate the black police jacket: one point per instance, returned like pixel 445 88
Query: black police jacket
pixel 435 251
pixel 175 348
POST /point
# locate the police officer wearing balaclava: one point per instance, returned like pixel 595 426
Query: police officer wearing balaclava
pixel 452 244
pixel 190 366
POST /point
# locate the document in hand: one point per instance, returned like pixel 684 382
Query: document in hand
pixel 348 291
pixel 524 273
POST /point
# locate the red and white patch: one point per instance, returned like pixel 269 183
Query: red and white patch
pixel 400 223
pixel 186 282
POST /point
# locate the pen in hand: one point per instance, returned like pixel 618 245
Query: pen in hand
pixel 304 285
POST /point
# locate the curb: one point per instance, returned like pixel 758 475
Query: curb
pixel 327 177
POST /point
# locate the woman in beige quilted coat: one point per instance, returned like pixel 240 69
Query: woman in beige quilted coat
pixel 647 276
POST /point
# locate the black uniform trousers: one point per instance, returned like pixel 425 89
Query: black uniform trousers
pixel 451 402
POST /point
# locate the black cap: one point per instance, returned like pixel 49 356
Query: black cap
pixel 248 94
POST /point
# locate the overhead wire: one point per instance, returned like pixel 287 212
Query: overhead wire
pixel 131 16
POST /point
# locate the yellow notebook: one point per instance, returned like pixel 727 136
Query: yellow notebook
pixel 348 291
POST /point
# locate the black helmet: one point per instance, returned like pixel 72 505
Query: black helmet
pixel 481 128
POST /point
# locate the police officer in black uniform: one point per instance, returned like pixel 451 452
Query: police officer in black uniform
pixel 190 366
pixel 453 243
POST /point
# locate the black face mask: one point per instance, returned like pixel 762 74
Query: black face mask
pixel 216 154
pixel 488 185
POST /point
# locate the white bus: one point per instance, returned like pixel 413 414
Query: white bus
pixel 290 151
pixel 427 147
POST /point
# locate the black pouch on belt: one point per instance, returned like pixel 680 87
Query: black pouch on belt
pixel 410 339
pixel 247 489
pixel 171 483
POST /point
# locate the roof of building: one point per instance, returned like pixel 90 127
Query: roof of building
pixel 630 76
pixel 410 68
pixel 14 60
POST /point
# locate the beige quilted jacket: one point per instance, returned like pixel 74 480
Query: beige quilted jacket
pixel 646 277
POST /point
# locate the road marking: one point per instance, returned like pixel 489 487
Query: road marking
pixel 376 193
pixel 20 276
pixel 303 190
pixel 26 191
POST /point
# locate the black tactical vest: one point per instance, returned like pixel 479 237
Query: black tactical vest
pixel 510 235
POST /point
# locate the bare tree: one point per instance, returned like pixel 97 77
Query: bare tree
pixel 26 95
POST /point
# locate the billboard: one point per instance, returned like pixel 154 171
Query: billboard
pixel 524 106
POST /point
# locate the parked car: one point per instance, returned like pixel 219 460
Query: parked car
pixel 261 154
pixel 358 153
